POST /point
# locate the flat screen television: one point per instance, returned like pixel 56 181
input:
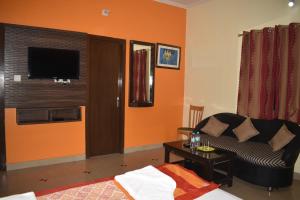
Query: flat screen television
pixel 48 63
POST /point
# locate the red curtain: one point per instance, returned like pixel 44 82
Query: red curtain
pixel 269 86
pixel 139 72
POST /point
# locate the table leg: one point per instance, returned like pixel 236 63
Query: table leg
pixel 210 170
pixel 167 155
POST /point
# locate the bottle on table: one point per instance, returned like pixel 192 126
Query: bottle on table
pixel 195 139
pixel 192 142
pixel 198 139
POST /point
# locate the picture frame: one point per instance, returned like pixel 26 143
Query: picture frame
pixel 168 56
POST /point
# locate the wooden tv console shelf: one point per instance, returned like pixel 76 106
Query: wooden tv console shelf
pixel 47 115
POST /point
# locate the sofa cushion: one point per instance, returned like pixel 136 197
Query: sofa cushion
pixel 245 131
pixel 281 138
pixel 214 127
pixel 253 152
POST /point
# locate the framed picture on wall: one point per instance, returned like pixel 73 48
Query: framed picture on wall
pixel 168 56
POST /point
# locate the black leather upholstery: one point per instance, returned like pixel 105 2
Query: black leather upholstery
pixel 268 176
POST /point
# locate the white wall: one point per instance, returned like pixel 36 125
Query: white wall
pixel 213 48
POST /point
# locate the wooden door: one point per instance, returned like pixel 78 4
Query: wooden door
pixel 105 109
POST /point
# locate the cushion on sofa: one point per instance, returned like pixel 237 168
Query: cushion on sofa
pixel 214 127
pixel 253 152
pixel 281 138
pixel 245 131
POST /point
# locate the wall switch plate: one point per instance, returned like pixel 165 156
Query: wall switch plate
pixel 17 78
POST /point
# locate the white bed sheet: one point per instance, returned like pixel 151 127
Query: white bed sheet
pixel 147 183
pixel 218 194
pixel 24 196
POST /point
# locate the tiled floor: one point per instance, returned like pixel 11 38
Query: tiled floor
pixel 40 178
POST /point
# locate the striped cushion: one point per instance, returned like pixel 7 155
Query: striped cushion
pixel 254 152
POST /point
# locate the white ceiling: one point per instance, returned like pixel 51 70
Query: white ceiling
pixel 181 3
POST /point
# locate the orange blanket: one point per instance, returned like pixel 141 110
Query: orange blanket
pixel 188 186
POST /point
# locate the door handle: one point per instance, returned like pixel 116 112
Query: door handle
pixel 118 102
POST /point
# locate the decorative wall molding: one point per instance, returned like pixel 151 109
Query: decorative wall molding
pixel 142 148
pixel 38 163
pixel 172 3
pixel 185 4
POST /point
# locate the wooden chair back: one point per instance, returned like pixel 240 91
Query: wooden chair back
pixel 195 115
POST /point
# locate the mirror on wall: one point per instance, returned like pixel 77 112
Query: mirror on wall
pixel 141 86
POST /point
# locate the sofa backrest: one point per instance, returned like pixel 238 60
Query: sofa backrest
pixel 267 128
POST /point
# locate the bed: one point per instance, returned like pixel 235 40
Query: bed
pixel 212 195
pixel 166 182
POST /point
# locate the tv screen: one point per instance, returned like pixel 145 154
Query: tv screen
pixel 47 63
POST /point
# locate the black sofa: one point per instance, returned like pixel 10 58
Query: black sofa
pixel 255 161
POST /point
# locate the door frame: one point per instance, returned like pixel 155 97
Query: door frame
pixel 2 107
pixel 121 92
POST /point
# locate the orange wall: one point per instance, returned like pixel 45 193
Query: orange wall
pixel 144 20
pixel 42 141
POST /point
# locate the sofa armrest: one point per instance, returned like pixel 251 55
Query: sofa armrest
pixel 291 152
pixel 290 158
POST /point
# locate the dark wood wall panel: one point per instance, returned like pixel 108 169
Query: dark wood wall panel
pixel 30 93
pixel 48 115
pixel 2 116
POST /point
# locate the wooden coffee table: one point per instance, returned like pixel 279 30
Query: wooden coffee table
pixel 215 166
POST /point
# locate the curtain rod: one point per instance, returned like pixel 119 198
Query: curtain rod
pixel 240 34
